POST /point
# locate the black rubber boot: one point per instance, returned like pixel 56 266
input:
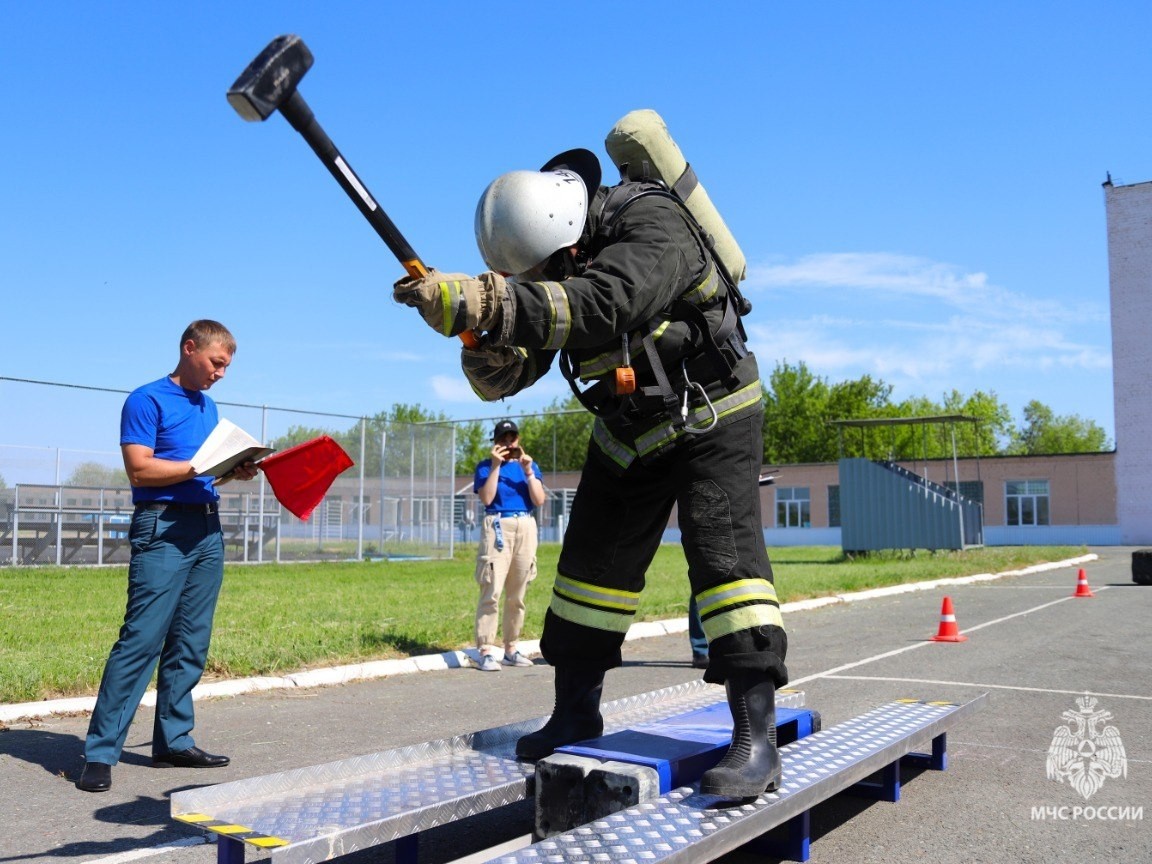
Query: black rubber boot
pixel 752 764
pixel 576 716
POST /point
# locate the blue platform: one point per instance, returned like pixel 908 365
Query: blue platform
pixel 683 747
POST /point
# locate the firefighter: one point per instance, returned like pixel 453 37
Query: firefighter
pixel 621 285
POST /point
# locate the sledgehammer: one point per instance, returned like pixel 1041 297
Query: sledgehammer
pixel 268 85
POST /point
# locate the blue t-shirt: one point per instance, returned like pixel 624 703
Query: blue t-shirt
pixel 174 422
pixel 511 489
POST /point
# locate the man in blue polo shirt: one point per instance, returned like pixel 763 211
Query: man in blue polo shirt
pixel 177 562
pixel 510 487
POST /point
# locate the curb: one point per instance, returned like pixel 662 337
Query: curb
pixel 467 659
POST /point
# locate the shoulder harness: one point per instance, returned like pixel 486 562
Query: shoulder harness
pixel 609 398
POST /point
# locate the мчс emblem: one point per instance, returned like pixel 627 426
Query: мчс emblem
pixel 1084 754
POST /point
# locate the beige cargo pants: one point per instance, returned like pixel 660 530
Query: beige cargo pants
pixel 504 572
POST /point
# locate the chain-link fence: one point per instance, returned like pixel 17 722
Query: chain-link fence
pixel 64 505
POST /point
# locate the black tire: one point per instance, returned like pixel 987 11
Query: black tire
pixel 1142 566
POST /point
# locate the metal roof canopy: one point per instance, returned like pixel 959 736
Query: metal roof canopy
pixel 911 421
pixel 950 419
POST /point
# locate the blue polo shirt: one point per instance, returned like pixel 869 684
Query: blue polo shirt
pixel 174 422
pixel 511 489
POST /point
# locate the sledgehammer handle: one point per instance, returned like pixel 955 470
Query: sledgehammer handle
pixel 297 112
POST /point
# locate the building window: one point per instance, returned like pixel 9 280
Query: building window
pixel 834 506
pixel 423 510
pixel 1026 502
pixel 792 507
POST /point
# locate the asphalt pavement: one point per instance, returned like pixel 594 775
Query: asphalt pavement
pixel 1032 646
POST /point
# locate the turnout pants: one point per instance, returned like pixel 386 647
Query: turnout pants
pixel 615 527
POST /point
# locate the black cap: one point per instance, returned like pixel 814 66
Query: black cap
pixel 583 162
pixel 503 428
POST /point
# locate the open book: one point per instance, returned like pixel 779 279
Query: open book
pixel 227 447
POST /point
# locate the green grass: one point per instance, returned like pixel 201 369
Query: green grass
pixel 57 624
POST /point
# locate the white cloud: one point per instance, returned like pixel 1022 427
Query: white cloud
pixel 886 277
pixel 452 389
pixel 455 389
pixel 922 326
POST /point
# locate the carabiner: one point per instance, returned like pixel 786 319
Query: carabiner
pixel 688 384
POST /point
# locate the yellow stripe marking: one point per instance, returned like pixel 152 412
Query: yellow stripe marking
pixel 193 818
pixel 209 823
pixel 265 842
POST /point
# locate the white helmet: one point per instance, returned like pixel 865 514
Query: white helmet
pixel 525 216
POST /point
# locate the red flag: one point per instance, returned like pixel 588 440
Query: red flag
pixel 300 476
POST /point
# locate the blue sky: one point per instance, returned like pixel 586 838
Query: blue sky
pixel 916 186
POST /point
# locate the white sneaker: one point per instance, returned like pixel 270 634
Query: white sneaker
pixel 516 659
pixel 488 663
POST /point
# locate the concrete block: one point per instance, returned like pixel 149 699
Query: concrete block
pixel 613 786
pixel 560 792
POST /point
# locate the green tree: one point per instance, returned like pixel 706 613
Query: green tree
pixel 558 437
pixel 993 428
pixel 799 408
pixel 863 398
pixel 473 443
pixel 1046 433
pixel 97 475
pixel 299 434
pixel 397 429
pixel 992 423
pixel 795 416
pixel 415 440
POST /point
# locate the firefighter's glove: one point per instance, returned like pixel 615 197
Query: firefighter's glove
pixel 452 302
pixel 494 371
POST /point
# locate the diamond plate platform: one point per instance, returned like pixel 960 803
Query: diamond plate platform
pixel 685 826
pixel 321 812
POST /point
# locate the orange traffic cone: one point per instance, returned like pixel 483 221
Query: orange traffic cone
pixel 1082 589
pixel 948 631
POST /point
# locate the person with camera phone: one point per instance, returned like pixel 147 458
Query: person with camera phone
pixel 510 486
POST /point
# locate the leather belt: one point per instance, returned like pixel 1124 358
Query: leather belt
pixel 511 514
pixel 207 509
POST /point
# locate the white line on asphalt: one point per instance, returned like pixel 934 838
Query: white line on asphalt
pixel 1025 612
pixel 138 854
pixel 988 686
pixel 827 673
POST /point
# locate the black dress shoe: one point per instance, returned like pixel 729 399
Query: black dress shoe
pixel 96 777
pixel 193 757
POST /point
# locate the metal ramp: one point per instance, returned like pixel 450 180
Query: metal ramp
pixel 685 826
pixel 321 812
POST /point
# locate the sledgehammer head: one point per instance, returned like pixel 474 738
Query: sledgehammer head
pixel 271 78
